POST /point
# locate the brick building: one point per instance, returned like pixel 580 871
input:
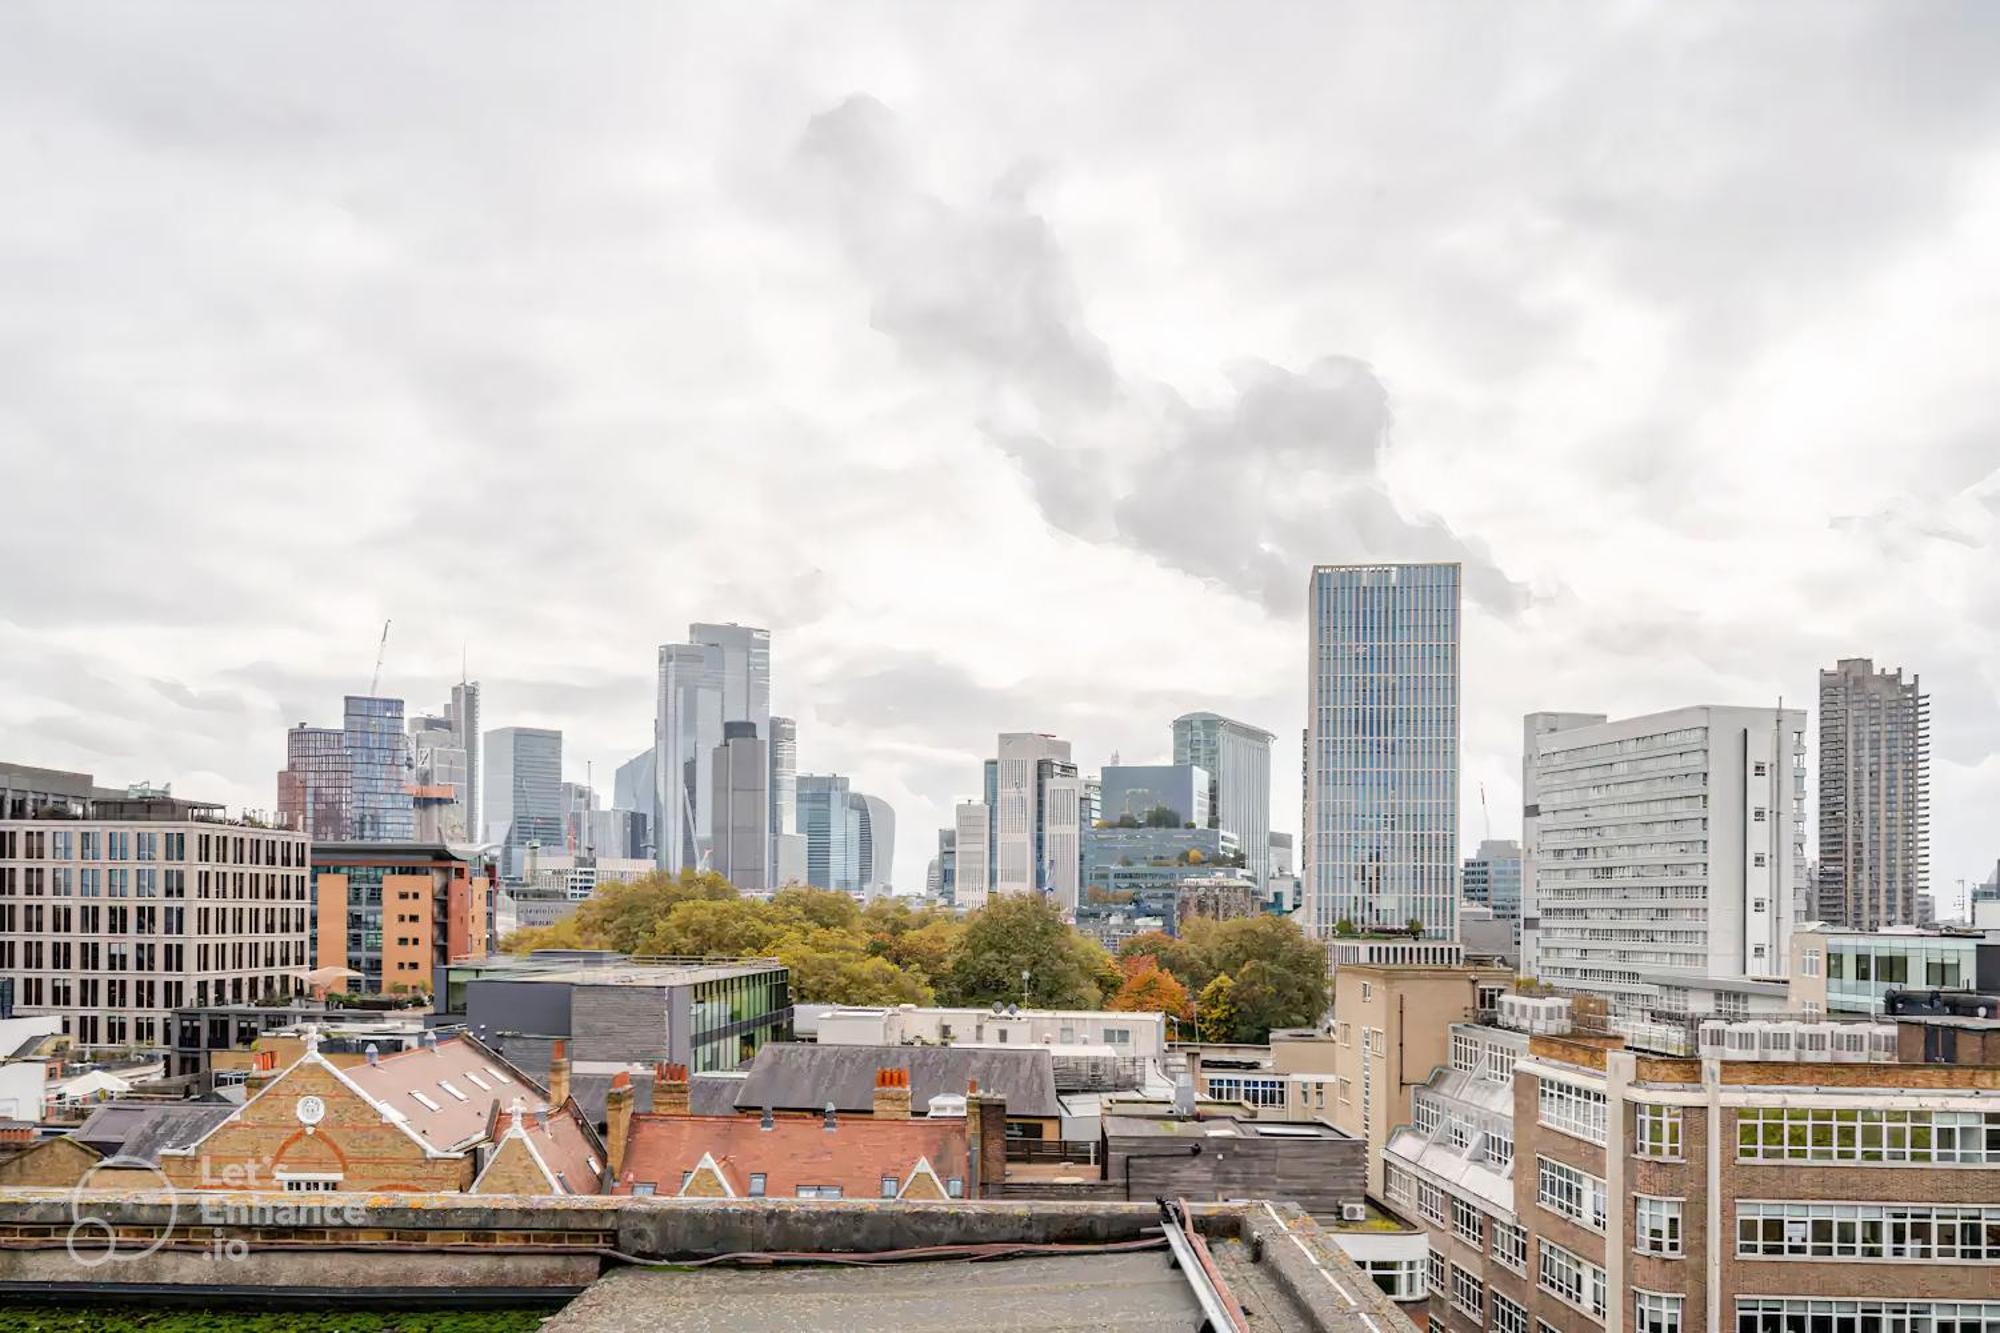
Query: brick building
pixel 411 1121
pixel 1658 1194
pixel 887 1154
pixel 396 912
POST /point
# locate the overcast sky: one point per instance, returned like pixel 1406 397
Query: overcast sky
pixel 1012 363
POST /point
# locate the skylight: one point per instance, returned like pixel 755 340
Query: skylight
pixel 425 1101
pixel 453 1091
pixel 496 1075
pixel 478 1082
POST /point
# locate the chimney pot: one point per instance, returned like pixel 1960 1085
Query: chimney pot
pixel 831 1123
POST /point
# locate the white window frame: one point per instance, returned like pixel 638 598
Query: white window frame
pixel 1468 1223
pixel 1577 1282
pixel 1657 1131
pixel 1659 1225
pixel 1509 1315
pixel 1657 1311
pixel 1468 1293
pixel 1570 1192
pixel 1572 1109
pixel 1510 1246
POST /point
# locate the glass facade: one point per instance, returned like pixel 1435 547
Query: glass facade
pixel 1383 748
pixel 730 1018
pixel 1861 969
pixel 524 799
pixel 378 752
pixel 825 806
pixel 313 790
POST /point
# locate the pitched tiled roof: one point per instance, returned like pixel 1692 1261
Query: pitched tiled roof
pixel 855 1155
pixel 561 1142
pixel 791 1076
pixel 446 1093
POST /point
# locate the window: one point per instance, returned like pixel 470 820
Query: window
pixel 1574 1110
pixel 1655 1313
pixel 1437 1325
pixel 756 1184
pixel 1572 1279
pixel 1434 1271
pixel 1510 1246
pixel 1467 1224
pixel 1656 1225
pixel 1117 1036
pixel 1809 963
pixel 1467 1295
pixel 1259 1091
pixel 1939 1233
pixel 1367 991
pixel 1507 1316
pixel 1399 1279
pixel 311 1184
pixel 1658 1130
pixel 955 1187
pixel 1430 1201
pixel 1573 1193
pixel 888 1187
pixel 643 1188
pixel 1848 1134
pixel 819 1192
pixel 1788 1312
pixel 1499 1148
pixel 686 1176
pixel 1396 1184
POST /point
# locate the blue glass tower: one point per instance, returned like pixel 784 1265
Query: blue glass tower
pixel 379 805
pixel 1382 748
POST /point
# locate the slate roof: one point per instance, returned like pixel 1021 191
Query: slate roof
pixel 855 1155
pixel 141 1129
pixel 790 1076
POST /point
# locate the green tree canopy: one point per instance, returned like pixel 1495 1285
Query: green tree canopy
pixel 1022 932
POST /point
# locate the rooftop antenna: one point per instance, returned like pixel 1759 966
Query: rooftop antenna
pixel 375 680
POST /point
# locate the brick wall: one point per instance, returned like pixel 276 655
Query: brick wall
pixel 352 1139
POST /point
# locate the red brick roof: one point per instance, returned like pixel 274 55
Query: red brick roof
pixel 855 1155
pixel 562 1142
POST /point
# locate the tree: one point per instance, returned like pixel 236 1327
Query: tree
pixel 1161 816
pixel 714 928
pixel 1019 933
pixel 1171 954
pixel 1291 988
pixel 562 934
pixel 1215 1011
pixel 1150 989
pixel 1415 927
pixel 927 950
pixel 621 916
pixel 1344 927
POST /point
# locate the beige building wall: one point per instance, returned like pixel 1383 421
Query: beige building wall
pixel 1391 1028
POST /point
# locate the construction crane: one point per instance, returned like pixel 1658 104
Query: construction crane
pixel 1484 813
pixel 375 681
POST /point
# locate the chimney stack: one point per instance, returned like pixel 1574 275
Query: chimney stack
pixel 832 1122
pixel 892 1094
pixel 618 1120
pixel 559 1074
pixel 670 1090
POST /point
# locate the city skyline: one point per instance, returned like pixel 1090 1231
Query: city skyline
pixel 985 399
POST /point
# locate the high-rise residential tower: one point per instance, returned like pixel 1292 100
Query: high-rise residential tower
pixel 1382 748
pixel 741 772
pixel 1874 796
pixel 1659 857
pixel 524 785
pixel 1237 758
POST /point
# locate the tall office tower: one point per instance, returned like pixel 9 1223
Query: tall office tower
pixel 688 707
pixel 742 803
pixel 378 752
pixel 1874 795
pixel 1381 834
pixel 464 714
pixel 524 790
pixel 635 788
pixel 1493 878
pixel 826 818
pixel 578 802
pixel 875 845
pixel 1237 759
pixel 784 748
pixel 972 861
pixel 1027 763
pixel 741 655
pixel 945 883
pixel 313 787
pixel 1660 855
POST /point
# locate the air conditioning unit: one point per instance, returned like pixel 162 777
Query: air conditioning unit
pixel 1354 1212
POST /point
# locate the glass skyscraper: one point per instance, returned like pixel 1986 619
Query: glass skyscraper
pixel 524 793
pixel 1382 748
pixel 1237 758
pixel 378 752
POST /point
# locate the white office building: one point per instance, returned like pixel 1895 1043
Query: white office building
pixel 1658 855
pixel 970 859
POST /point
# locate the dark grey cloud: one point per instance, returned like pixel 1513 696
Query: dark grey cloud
pixel 1247 495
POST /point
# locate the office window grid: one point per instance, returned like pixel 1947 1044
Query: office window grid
pixel 1576 1111
pixel 1510 1246
pixel 1940 1233
pixel 1783 1314
pixel 1867 1136
pixel 1573 1279
pixel 1574 1194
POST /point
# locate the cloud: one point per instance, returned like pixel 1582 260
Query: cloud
pixel 1247 494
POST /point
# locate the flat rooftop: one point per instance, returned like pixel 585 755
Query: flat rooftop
pixel 1215 1127
pixel 1071 1292
pixel 610 969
